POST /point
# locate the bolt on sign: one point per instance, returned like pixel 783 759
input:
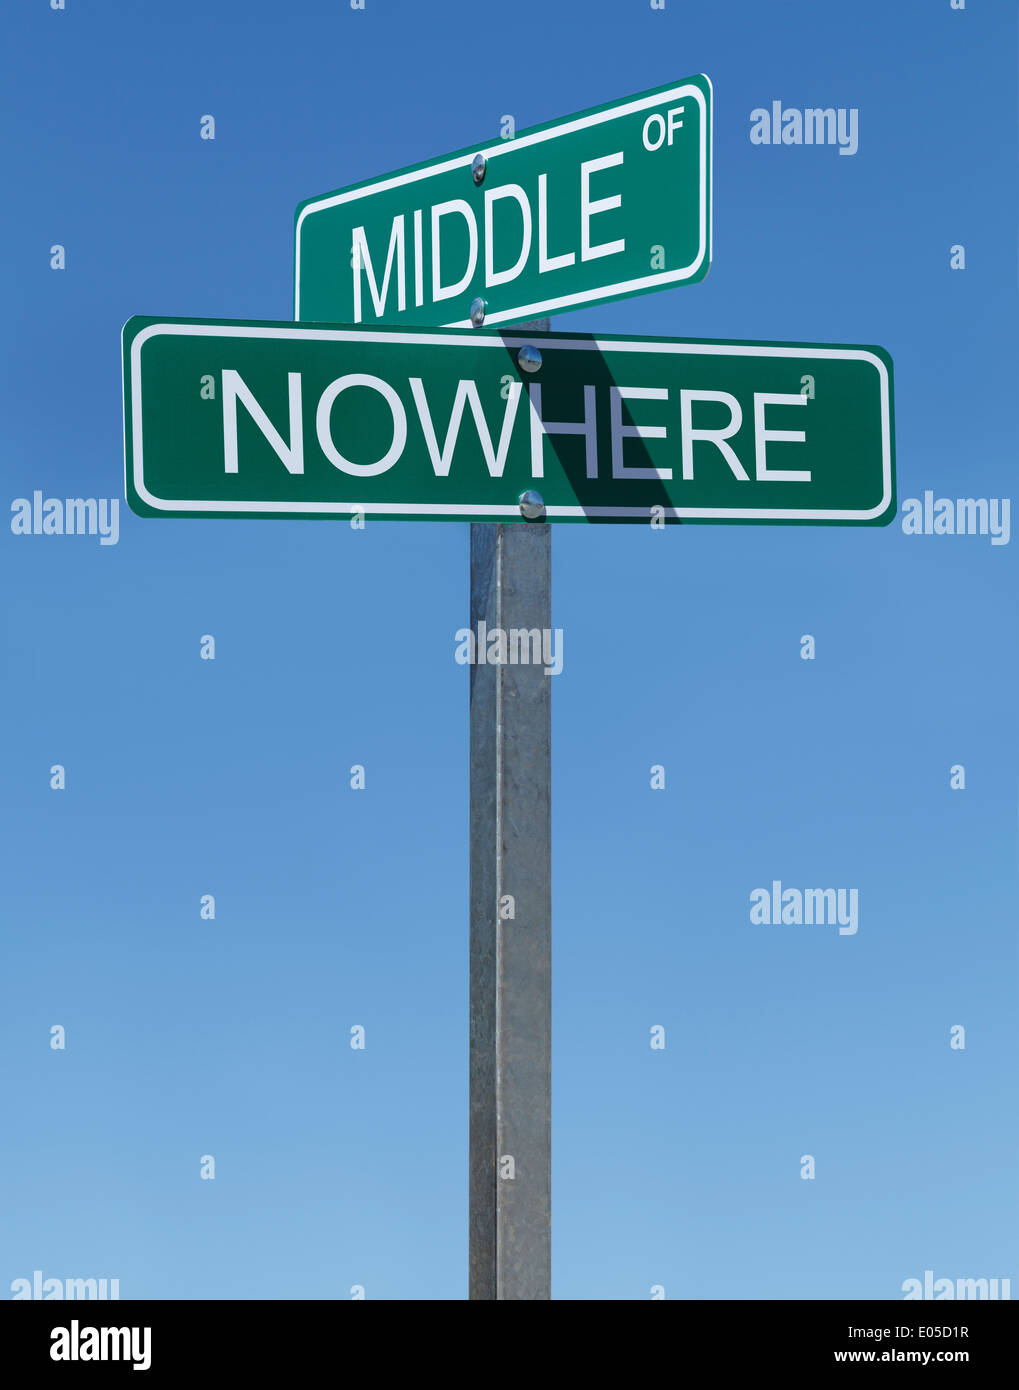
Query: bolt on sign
pixel 224 418
pixel 610 202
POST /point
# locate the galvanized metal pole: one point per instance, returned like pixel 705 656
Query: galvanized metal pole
pixel 510 927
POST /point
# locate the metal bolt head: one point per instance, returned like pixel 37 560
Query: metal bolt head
pixel 477 312
pixel 478 166
pixel 528 358
pixel 532 505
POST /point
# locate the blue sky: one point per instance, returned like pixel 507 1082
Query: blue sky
pixel 230 1037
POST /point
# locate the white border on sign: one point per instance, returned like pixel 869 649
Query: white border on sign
pixel 424 338
pixel 543 306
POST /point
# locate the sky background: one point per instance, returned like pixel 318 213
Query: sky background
pixel 335 907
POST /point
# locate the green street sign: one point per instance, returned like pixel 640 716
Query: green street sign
pixel 608 203
pixel 223 418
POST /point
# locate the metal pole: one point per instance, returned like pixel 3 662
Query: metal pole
pixel 510 926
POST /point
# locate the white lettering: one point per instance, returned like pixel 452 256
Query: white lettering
pixel 591 207
pixel 540 427
pixel 466 392
pixel 361 260
pixel 500 277
pixel 323 426
pixel 545 261
pixel 439 211
pixel 716 437
pixel 619 431
pixel 234 390
pixel 762 435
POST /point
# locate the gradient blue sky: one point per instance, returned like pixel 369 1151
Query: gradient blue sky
pixel 335 647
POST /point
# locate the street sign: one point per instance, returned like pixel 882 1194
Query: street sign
pixel 227 418
pixel 610 202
